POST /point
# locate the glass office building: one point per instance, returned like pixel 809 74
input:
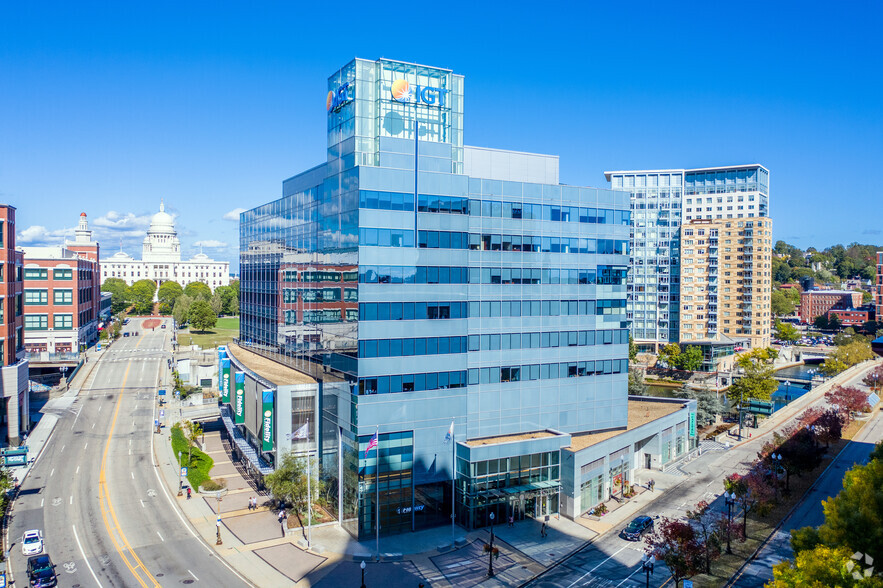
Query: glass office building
pixel 421 282
pixel 661 200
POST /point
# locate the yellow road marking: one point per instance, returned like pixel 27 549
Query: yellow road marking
pixel 107 505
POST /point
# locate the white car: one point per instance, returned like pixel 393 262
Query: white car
pixel 32 543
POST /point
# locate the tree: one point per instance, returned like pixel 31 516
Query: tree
pixel 288 483
pixel 192 431
pixel 854 518
pixel 829 427
pixel 669 354
pixel 708 527
pixel 834 322
pixel 874 379
pixel 141 295
pixel 821 322
pixel 637 384
pixel 633 349
pixel 787 332
pixel 753 491
pixel 227 295
pixel 201 315
pixel 821 567
pixel 181 312
pixel 217 303
pixel 797 448
pixel 781 304
pixel 198 290
pixel 168 293
pixel 234 306
pixel 119 296
pixel 690 359
pixel 708 404
pixel 757 380
pixel 847 336
pixel 847 400
pixel 676 544
pixel 804 538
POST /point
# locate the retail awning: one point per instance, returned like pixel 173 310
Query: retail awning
pixel 247 450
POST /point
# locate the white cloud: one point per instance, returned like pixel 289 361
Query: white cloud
pixel 233 215
pixel 40 235
pixel 127 222
pixel 211 244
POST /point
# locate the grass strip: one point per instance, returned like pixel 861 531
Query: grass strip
pixel 200 464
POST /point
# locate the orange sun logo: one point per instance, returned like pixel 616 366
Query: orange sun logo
pixel 401 91
pixel 329 101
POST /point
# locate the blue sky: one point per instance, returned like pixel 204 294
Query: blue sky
pixel 108 107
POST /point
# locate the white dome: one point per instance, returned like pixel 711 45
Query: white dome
pixel 162 222
pixel 121 255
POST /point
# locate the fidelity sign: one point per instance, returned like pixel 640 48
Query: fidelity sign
pixel 239 412
pixel 267 436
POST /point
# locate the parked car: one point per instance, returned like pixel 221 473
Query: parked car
pixel 41 572
pixel 636 529
pixel 163 326
pixel 125 333
pixel 32 542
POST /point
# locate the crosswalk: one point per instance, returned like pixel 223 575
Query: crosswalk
pixel 674 468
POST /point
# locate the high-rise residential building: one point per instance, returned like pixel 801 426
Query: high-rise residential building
pixel 661 200
pixel 878 294
pixel 62 296
pixel 15 410
pixel 424 282
pixel 161 259
pixel 725 280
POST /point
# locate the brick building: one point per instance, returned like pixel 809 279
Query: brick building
pixel 849 317
pixel 62 296
pixel 815 303
pixel 15 410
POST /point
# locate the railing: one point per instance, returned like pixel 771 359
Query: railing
pixel 45 356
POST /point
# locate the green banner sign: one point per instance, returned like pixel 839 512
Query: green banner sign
pixel 224 383
pixel 239 407
pixel 692 424
pixel 267 411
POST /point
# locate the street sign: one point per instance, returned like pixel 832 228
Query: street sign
pixel 688 584
pixel 760 407
pixel 184 471
pixel 162 413
pixel 2 579
pixel 162 392
pixel 97 348
pixel 155 422
pixel 15 456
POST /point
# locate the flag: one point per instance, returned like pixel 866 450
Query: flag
pixel 302 433
pixel 371 445
pixel 450 434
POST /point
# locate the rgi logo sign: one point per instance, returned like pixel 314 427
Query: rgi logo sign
pixel 268 426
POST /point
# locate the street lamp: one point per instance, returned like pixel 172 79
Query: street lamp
pixel 180 483
pixel 647 566
pixel 362 565
pixel 777 459
pixel 490 561
pixel 731 500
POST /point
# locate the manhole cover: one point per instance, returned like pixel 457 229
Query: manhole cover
pixel 160 575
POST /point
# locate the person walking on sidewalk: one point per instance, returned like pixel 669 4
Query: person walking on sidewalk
pixel 188 492
pixel 543 530
pixel 511 521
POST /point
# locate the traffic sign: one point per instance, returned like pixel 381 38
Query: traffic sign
pixel 184 471
pixel 162 392
pixel 162 413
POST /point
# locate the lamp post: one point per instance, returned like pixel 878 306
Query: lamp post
pixel 777 459
pixel 647 562
pixel 730 498
pixel 362 565
pixel 180 483
pixel 490 563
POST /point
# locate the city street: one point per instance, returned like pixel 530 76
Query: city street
pixel 808 511
pixel 95 492
pixel 611 561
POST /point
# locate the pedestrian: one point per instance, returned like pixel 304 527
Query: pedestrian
pixel 188 492
pixel 511 521
pixel 254 503
pixel 651 484
pixel 543 530
pixel 281 515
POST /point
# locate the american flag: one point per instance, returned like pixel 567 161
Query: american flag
pixel 371 444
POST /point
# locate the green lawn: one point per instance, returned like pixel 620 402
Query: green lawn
pixel 200 464
pixel 222 334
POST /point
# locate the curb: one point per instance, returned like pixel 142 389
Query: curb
pixel 738 574
pixel 588 543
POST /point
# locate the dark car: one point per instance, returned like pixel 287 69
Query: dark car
pixel 41 572
pixel 636 529
pixel 163 326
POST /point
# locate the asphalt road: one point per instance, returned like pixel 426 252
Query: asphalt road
pixel 808 511
pixel 610 561
pixel 95 492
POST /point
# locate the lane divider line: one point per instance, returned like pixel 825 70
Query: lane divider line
pixel 85 559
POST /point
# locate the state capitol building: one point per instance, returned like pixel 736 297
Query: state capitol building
pixel 161 259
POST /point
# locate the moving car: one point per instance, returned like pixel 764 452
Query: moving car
pixel 32 542
pixel 41 572
pixel 636 529
pixel 163 326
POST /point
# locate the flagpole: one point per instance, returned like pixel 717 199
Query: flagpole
pixel 309 489
pixel 377 526
pixel 453 483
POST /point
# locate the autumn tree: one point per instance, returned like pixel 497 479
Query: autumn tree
pixel 756 380
pixel 787 332
pixel 669 354
pixel 874 379
pixel 846 356
pixel 676 543
pixel 754 492
pixel 854 518
pixel 822 567
pixel 847 400
pixel 708 531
